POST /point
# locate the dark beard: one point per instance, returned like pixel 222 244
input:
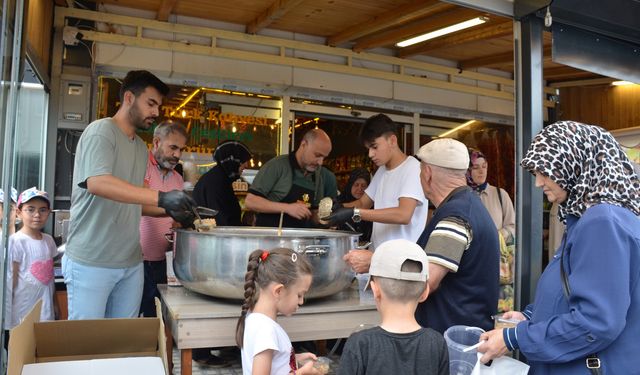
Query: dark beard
pixel 136 117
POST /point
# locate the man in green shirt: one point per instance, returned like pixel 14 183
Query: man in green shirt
pixel 294 184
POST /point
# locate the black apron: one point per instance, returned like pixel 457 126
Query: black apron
pixel 296 193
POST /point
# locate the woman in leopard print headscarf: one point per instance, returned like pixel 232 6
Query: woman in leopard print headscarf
pixel 586 162
pixel 582 168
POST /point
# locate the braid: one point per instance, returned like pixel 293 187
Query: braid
pixel 249 294
pixel 281 266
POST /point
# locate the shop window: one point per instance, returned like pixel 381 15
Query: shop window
pixel 211 116
pixel 30 137
pixel 494 140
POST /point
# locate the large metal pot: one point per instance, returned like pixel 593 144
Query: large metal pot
pixel 215 262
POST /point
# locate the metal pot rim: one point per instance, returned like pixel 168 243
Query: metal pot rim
pixel 230 231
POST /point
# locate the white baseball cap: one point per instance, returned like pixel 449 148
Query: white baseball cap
pixel 446 153
pixel 389 257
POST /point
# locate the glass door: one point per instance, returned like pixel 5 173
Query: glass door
pixel 11 26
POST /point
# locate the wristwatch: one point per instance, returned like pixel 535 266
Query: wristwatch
pixel 356 215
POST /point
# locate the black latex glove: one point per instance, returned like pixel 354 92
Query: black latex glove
pixel 339 216
pixel 336 205
pixel 179 206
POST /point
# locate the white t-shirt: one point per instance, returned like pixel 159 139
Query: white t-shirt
pixel 35 277
pixel 386 188
pixel 263 333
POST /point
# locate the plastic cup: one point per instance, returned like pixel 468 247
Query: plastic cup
pixel 501 322
pixel 366 296
pixel 458 339
pixel 323 364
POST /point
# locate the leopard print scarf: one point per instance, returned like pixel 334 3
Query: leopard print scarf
pixel 588 163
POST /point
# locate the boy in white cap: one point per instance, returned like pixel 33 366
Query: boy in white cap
pixel 30 261
pixel 399 272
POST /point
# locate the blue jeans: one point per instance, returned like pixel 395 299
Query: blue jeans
pixel 97 292
pixel 155 272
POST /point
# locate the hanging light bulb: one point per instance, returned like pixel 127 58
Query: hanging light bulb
pixel 183 113
pixel 253 164
pixel 233 130
pixel 259 164
pixel 255 129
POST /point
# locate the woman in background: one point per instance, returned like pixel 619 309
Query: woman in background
pixel 215 190
pixel 496 200
pixel 500 207
pixel 358 182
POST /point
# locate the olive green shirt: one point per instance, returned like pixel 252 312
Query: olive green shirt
pixel 275 178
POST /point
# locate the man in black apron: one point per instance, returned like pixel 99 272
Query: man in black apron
pixel 293 184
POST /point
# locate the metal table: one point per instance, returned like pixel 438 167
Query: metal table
pixel 198 321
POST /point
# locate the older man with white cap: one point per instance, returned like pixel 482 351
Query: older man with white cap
pixel 460 241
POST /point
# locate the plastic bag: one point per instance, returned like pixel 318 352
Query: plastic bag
pixel 501 366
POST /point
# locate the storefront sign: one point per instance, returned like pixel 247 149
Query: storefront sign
pixel 218 117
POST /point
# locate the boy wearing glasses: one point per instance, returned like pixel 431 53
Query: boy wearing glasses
pixel 30 260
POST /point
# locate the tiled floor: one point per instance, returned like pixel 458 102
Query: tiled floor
pixel 234 369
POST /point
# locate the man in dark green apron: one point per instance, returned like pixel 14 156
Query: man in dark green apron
pixel 293 184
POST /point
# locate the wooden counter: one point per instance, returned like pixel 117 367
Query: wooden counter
pixel 199 321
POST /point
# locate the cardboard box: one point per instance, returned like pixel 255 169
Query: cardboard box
pixel 67 340
pixel 107 366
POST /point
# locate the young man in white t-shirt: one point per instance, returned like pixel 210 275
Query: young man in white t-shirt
pixel 400 206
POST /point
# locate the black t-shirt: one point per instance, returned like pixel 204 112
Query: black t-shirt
pixel 376 351
pixel 215 190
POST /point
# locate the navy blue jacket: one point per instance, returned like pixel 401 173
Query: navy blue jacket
pixel 470 295
pixel 602 315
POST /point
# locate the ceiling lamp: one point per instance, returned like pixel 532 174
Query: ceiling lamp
pixel 457 128
pixel 444 31
pixel 622 83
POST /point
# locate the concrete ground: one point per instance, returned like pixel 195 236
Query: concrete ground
pixel 234 369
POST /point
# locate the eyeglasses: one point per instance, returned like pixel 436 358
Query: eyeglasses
pixel 32 210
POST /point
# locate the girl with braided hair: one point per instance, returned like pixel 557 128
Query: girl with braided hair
pixel 275 283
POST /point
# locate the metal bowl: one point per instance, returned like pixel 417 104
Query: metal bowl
pixel 215 262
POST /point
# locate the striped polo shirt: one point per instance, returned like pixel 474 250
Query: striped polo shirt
pixel 152 229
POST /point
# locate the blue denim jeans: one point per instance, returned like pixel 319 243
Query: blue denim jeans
pixel 97 292
pixel 155 272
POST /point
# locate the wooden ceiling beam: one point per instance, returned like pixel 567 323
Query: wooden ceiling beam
pixel 276 10
pixel 406 13
pixel 566 73
pixel 475 34
pixel 498 59
pixel 417 27
pixel 166 7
